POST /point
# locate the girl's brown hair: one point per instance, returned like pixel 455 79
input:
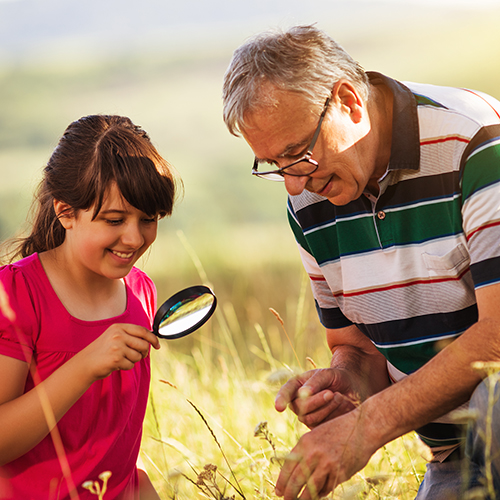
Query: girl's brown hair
pixel 93 152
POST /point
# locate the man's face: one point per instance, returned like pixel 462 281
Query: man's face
pixel 345 149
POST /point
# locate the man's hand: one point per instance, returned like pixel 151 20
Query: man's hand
pixel 325 457
pixel 317 396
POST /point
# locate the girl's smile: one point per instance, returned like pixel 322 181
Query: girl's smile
pixel 123 255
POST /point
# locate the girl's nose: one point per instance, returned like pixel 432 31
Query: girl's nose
pixel 132 236
pixel 295 184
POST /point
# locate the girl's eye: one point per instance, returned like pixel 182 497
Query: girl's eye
pixel 114 222
pixel 149 220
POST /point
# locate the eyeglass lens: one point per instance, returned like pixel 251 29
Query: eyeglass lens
pixel 299 168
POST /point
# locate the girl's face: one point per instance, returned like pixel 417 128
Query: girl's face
pixel 111 244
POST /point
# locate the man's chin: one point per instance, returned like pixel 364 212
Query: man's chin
pixel 340 199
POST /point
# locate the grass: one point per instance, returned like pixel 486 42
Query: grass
pixel 211 430
pixel 207 410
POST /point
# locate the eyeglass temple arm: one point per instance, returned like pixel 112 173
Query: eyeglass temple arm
pixel 313 141
pixel 318 128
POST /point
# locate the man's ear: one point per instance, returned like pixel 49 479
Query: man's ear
pixel 64 213
pixel 348 99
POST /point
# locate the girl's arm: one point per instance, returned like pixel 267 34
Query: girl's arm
pixel 146 488
pixel 22 418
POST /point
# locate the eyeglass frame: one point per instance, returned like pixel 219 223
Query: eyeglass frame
pixel 306 158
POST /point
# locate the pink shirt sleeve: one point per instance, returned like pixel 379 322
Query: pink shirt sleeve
pixel 17 315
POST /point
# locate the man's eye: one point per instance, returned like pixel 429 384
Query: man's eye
pixel 296 156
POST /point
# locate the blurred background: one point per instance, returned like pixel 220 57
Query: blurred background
pixel 162 63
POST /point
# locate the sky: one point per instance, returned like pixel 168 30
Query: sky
pixel 44 29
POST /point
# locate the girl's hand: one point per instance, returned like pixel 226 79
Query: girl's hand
pixel 118 348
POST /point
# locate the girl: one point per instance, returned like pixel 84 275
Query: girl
pixel 75 319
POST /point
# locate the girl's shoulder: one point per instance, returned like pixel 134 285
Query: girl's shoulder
pixel 21 287
pixel 143 288
pixel 25 263
pixel 137 278
pixel 16 276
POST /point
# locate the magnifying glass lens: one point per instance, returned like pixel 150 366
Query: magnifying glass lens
pixel 185 314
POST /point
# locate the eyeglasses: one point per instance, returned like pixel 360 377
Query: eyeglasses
pixel 301 167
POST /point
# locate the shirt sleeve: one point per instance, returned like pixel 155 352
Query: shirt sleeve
pixel 145 290
pixel 327 306
pixel 480 184
pixel 17 316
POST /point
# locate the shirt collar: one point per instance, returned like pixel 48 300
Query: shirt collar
pixel 405 146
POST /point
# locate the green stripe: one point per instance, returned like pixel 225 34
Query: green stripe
pixel 401 227
pixel 434 443
pixel 426 222
pixel 357 235
pixel 481 170
pixel 297 231
pixel 410 358
pixel 422 100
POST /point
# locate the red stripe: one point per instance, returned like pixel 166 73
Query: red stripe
pixel 317 278
pixel 444 139
pixel 482 98
pixel 402 285
pixel 480 228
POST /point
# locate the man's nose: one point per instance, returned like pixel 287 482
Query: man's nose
pixel 295 184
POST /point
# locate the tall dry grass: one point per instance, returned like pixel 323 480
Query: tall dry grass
pixel 210 412
pixel 211 429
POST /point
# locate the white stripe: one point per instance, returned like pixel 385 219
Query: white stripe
pixel 309 262
pixel 376 268
pixel 333 223
pixel 434 201
pixel 481 207
pixel 416 342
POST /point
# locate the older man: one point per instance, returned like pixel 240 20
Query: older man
pixel 393 200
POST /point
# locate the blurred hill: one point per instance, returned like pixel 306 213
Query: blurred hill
pixel 162 63
pixel 52 28
pixel 46 29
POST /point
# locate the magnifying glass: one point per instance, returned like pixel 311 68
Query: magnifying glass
pixel 184 312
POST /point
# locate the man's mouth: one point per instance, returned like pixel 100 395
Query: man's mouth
pixel 326 188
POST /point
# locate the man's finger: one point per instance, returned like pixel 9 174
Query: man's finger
pixel 320 380
pixel 287 394
pixel 305 405
pixel 291 462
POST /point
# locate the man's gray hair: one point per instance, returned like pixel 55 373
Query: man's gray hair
pixel 302 59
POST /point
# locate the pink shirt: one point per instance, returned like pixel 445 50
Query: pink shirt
pixel 102 431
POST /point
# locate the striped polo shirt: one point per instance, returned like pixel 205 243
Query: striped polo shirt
pixel 403 267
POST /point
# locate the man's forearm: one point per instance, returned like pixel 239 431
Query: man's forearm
pixel 440 386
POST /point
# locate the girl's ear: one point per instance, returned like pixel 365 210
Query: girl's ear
pixel 64 213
